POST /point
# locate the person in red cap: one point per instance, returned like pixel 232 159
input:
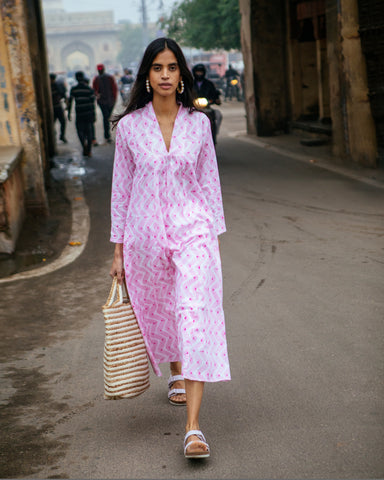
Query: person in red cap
pixel 105 88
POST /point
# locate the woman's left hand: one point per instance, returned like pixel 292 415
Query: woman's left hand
pixel 117 268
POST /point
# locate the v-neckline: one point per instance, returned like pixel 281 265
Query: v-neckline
pixel 161 133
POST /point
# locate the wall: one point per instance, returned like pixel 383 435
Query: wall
pixel 12 212
pixel 9 131
pixel 29 133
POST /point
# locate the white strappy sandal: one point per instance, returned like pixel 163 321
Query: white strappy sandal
pixel 175 391
pixel 202 440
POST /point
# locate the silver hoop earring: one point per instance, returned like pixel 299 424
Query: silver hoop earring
pixel 180 88
pixel 148 85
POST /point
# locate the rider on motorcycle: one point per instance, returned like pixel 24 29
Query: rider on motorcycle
pixel 126 82
pixel 232 77
pixel 204 88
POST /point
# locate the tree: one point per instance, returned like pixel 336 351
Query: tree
pixel 131 39
pixel 205 24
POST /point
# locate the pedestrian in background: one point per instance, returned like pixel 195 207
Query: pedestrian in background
pixel 127 78
pixel 84 97
pixel 167 213
pixel 125 84
pixel 105 88
pixel 94 142
pixel 58 93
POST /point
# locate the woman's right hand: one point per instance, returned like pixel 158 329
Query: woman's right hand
pixel 117 268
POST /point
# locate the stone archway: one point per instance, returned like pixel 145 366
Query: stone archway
pixel 77 46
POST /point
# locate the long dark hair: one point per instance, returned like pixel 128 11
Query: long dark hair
pixel 139 96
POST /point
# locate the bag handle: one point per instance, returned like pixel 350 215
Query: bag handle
pixel 118 293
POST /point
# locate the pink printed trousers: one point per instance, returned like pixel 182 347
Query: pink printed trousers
pixel 176 293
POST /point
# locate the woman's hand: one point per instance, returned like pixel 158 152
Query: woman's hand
pixel 117 268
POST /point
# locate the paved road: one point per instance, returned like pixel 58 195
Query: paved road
pixel 303 263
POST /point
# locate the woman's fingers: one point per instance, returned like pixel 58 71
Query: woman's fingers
pixel 120 276
pixel 119 273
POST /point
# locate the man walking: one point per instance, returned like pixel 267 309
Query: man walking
pixel 105 88
pixel 84 97
pixel 58 92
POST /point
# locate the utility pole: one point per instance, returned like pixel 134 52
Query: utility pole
pixel 144 22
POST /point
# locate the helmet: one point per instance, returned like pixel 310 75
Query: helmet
pixel 199 67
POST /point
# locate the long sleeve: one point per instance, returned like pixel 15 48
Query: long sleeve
pixel 207 174
pixel 123 170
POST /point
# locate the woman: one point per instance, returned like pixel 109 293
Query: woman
pixel 166 215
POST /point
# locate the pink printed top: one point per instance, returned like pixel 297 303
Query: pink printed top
pixel 154 189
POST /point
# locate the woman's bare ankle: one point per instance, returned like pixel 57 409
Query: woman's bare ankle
pixel 192 426
pixel 175 368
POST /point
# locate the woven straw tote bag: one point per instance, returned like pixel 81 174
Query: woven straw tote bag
pixel 126 367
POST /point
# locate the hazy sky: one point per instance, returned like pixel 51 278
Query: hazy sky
pixel 123 9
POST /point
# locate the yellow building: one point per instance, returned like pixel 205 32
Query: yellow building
pixel 26 135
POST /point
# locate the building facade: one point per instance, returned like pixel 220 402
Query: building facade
pixel 317 62
pixel 79 41
pixel 26 133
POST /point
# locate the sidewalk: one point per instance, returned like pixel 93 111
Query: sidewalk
pixel 289 145
pixel 47 244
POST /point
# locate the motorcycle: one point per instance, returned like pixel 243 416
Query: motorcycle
pixel 204 105
pixel 233 89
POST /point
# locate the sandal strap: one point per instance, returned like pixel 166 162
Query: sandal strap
pixel 198 434
pixel 176 391
pixel 173 379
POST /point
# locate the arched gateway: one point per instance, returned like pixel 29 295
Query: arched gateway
pixel 78 41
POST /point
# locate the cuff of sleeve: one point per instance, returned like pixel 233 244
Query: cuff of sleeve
pixel 117 239
pixel 220 228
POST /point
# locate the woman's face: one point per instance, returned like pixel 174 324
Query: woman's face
pixel 164 75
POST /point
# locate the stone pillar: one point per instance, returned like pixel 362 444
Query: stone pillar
pixel 336 86
pixel 28 121
pixel 362 132
pixel 246 38
pixel 294 68
pixel 268 47
pixel 39 62
pixel 354 135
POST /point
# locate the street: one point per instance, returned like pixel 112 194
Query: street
pixel 303 265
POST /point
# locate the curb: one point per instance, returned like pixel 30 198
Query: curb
pixel 79 234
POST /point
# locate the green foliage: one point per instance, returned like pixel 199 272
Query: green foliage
pixel 131 39
pixel 205 24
